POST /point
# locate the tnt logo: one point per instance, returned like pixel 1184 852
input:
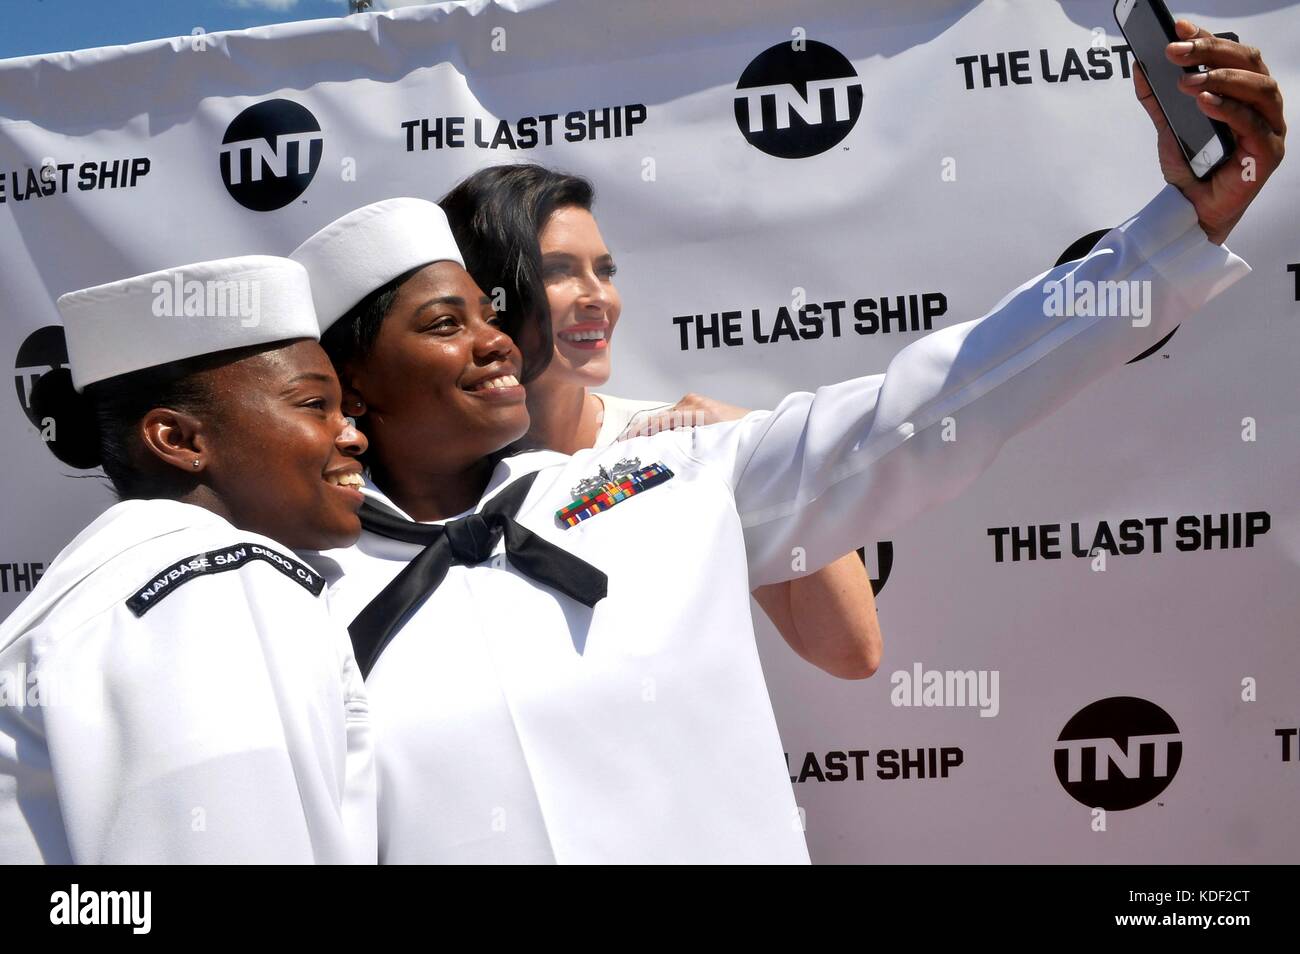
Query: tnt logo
pixel 795 103
pixel 884 561
pixel 43 350
pixel 1118 753
pixel 270 153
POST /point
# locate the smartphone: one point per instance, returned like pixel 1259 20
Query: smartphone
pixel 1148 27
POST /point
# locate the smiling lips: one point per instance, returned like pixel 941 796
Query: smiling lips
pixel 351 479
pixel 497 383
pixel 586 338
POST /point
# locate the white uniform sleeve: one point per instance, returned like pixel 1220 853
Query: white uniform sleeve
pixel 834 470
pixel 192 734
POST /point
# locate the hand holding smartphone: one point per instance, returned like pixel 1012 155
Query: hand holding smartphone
pixel 1148 27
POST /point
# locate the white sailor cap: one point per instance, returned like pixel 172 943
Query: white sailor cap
pixel 185 312
pixel 369 247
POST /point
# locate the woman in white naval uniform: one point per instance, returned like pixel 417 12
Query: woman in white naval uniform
pixel 526 712
pixel 174 688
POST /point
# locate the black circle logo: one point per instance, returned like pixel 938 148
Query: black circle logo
pixel 1081 247
pixel 270 154
pixel 798 99
pixel 884 560
pixel 1118 753
pixel 43 350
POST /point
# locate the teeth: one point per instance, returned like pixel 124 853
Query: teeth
pixel 346 480
pixel 596 335
pixel 505 381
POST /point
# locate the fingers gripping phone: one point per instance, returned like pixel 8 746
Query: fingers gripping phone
pixel 1148 27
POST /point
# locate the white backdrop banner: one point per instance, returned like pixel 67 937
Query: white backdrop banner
pixel 1106 620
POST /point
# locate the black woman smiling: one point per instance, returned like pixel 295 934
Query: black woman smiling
pixel 175 689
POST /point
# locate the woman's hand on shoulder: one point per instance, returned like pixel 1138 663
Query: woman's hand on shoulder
pixel 693 410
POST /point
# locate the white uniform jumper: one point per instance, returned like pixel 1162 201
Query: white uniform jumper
pixel 224 723
pixel 514 724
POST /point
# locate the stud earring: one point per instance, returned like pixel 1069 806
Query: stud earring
pixel 196 462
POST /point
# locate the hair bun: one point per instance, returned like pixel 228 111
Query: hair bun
pixel 74 436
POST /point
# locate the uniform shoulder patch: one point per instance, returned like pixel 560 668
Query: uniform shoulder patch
pixel 232 557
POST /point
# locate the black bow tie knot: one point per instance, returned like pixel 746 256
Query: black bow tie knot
pixel 473 538
pixel 465 541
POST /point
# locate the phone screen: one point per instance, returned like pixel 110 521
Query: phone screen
pixel 1147 37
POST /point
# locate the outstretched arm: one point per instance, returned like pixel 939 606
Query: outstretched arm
pixel 825 471
pixel 854 461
